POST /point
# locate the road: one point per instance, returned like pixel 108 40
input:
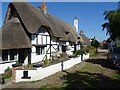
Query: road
pixel 95 72
pixel 102 50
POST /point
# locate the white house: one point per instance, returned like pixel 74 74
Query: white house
pixel 30 35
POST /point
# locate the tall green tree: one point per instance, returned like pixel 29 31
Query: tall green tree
pixel 95 44
pixel 112 24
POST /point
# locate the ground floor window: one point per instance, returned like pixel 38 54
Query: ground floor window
pixel 13 54
pixel 9 55
pixel 40 50
pixel 64 48
pixel 5 55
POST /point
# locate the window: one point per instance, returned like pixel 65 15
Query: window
pixel 40 50
pixel 64 48
pixel 13 53
pixel 5 55
pixel 9 55
pixel 42 30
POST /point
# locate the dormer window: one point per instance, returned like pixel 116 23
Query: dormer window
pixel 13 12
pixel 67 33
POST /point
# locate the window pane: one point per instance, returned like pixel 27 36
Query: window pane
pixel 13 53
pixel 5 55
pixel 38 50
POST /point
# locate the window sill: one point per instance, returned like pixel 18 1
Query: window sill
pixel 3 62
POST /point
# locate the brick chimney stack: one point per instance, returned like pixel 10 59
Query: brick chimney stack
pixel 43 7
pixel 81 32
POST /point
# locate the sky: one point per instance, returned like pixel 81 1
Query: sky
pixel 90 15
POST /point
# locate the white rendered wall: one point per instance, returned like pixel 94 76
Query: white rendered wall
pixel 31 73
pixel 26 60
pixel 36 58
pixel 41 72
pixel 3 66
pixel 86 56
pixel 70 50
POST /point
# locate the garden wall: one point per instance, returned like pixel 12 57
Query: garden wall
pixel 40 73
pixel 4 66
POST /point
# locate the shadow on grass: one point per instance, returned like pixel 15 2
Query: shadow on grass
pixel 103 62
pixel 85 80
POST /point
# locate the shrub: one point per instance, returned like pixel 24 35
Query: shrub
pixel 64 55
pixel 7 73
pixel 29 65
pixel 91 50
pixel 46 61
pixel 7 69
pixel 79 52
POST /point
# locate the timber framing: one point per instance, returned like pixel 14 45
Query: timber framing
pixel 35 31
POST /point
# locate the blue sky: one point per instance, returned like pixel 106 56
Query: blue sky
pixel 90 14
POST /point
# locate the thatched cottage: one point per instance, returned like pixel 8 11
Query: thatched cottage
pixel 30 34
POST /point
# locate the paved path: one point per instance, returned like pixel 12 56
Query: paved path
pixel 103 50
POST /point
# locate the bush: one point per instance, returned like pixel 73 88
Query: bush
pixel 46 61
pixel 91 50
pixel 64 55
pixel 7 69
pixel 29 65
pixel 7 73
pixel 79 52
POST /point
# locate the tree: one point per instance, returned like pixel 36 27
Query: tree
pixel 95 44
pixel 113 23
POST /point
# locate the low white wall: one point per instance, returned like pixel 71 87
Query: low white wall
pixel 86 56
pixel 5 65
pixel 31 73
pixel 41 73
pixel 47 71
pixel 68 64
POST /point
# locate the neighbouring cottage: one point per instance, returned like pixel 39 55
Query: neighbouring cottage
pixel 31 34
pixel 84 40
pixel 105 45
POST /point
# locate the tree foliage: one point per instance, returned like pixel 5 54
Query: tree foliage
pixel 113 23
pixel 95 44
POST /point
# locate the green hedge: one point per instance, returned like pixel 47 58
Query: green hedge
pixel 89 49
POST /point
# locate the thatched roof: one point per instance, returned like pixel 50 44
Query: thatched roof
pixel 31 19
pixel 73 34
pixel 60 28
pixel 13 35
pixel 85 41
pixel 57 27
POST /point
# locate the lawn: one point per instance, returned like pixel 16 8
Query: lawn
pixel 90 76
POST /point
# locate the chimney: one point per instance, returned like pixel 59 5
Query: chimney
pixel 94 38
pixel 81 32
pixel 76 23
pixel 43 7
